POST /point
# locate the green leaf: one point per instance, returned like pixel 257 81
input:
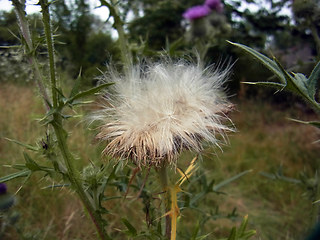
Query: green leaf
pixel 171 48
pixel 243 225
pixel 30 163
pixel 60 93
pixel 23 173
pixel 227 181
pixel 131 229
pixel 27 146
pixel 302 82
pixel 313 80
pixel 296 84
pixel 48 118
pixel 313 123
pixel 233 234
pixel 195 231
pixel 279 86
pixel 75 103
pixel 249 234
pixel 280 176
pixel 88 92
pixel 271 65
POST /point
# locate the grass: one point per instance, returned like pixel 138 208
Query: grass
pixel 264 140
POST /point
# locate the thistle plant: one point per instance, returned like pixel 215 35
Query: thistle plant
pixel 208 25
pixel 54 117
pixel 150 114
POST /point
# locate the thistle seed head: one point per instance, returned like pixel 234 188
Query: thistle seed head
pixel 156 111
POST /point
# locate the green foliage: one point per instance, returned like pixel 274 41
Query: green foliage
pixel 8 29
pixel 255 147
pixel 160 22
pixel 294 82
pixel 97 184
pixel 241 233
pixel 90 45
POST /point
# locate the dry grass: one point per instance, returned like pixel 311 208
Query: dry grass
pixel 265 140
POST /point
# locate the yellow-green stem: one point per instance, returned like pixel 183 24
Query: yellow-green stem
pixel 164 181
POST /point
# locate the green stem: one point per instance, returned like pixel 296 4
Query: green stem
pixel 72 173
pixel 74 178
pixel 126 55
pixel 30 51
pixel 47 29
pixel 164 181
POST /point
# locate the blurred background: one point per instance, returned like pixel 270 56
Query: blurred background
pixel 265 141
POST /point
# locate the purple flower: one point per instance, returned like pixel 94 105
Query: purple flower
pixel 3 188
pixel 214 5
pixel 195 12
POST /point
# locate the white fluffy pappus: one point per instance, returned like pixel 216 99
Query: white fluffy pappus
pixel 151 115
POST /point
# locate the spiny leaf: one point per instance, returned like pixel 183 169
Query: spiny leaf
pixel 279 86
pixel 313 123
pixel 229 180
pixel 88 92
pixel 23 173
pixel 313 80
pixel 271 65
pixel 295 84
pixel 33 166
pixel 27 146
pixel 30 163
pixel 48 118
